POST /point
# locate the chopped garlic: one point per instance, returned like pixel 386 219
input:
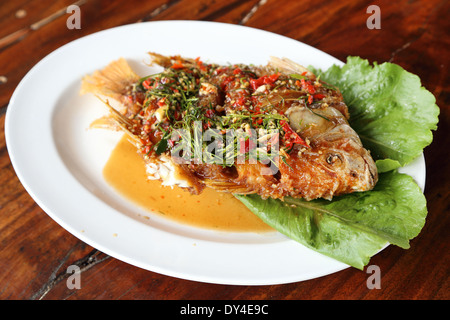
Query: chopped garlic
pixel 160 113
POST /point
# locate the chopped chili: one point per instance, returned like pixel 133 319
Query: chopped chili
pixel 291 136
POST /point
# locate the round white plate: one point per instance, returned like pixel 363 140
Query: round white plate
pixel 60 162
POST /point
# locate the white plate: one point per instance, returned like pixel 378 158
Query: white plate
pixel 60 162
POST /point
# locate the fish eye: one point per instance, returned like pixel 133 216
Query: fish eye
pixel 332 158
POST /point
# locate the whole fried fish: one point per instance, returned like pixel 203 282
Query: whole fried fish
pixel 275 130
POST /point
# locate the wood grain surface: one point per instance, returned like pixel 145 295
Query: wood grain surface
pixel 35 251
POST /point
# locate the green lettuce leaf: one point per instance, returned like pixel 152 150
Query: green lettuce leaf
pixel 389 109
pixel 385 165
pixel 394 116
pixel 351 228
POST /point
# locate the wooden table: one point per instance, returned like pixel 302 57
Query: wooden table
pixel 35 250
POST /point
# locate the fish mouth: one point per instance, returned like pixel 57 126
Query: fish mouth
pixel 371 168
pixel 367 172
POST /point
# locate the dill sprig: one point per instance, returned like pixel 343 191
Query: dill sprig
pixel 176 93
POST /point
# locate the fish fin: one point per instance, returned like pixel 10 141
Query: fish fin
pixel 288 66
pixel 159 59
pixel 113 81
pixel 105 122
pixel 228 186
pixel 168 61
pixel 121 121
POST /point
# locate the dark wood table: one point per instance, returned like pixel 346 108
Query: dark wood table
pixel 35 251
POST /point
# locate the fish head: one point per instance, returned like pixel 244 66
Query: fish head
pixel 352 164
pixel 335 147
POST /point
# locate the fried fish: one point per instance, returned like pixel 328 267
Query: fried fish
pixel 275 130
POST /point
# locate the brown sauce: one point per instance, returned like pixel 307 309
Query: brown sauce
pixel 125 172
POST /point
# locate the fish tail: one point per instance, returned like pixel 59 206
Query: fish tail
pixel 113 81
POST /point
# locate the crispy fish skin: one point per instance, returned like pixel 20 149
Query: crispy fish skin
pixel 322 156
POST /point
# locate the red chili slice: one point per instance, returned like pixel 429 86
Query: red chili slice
pixel 256 83
pixel 146 84
pixel 246 146
pixel 291 136
pixel 308 86
pixel 177 65
pixel 319 96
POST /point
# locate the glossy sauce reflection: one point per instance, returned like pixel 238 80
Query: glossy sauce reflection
pixel 125 172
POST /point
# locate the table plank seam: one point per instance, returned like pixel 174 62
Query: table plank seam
pixel 57 276
pixel 159 10
pixel 252 12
